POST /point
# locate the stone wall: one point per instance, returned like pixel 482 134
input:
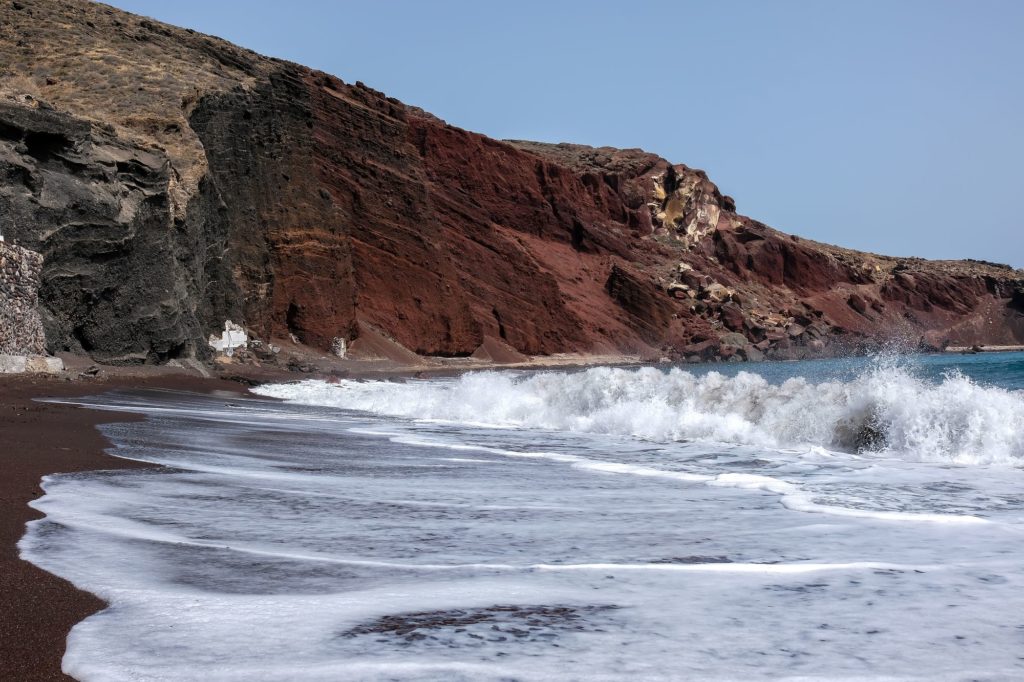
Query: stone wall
pixel 21 329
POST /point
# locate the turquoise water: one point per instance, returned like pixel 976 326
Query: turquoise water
pixel 1005 370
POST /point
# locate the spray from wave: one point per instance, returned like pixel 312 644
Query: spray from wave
pixel 885 410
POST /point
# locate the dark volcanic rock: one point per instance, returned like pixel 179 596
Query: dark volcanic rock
pixel 178 181
pixel 121 280
pixel 1017 300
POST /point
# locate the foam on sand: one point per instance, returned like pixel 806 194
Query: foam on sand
pixel 292 541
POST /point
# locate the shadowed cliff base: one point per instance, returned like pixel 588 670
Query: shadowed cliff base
pixel 173 181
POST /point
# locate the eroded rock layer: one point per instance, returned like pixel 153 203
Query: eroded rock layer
pixel 21 329
pixel 172 181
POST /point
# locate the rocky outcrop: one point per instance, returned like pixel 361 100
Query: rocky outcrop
pixel 122 279
pixel 22 339
pixel 173 181
pixel 21 329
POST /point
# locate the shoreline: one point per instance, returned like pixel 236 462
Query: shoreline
pixel 970 350
pixel 37 608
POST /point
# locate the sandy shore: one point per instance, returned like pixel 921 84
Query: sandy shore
pixel 38 609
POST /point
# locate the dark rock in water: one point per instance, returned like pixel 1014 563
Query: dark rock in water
pixel 473 626
pixel 871 437
pixel 246 188
pixel 695 559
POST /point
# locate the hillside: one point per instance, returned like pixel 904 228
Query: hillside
pixel 173 181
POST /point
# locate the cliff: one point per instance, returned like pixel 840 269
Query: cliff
pixel 172 181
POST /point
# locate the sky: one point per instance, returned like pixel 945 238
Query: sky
pixel 886 126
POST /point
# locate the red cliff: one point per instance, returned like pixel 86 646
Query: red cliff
pixel 172 181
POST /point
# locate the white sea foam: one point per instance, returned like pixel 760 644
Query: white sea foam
pixel 793 496
pixel 885 410
pixel 293 542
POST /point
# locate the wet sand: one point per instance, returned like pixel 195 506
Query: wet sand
pixel 38 609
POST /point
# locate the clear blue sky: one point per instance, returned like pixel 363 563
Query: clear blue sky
pixel 893 127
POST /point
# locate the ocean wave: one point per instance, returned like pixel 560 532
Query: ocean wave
pixel 886 410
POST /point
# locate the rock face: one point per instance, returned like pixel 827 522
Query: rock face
pixel 122 279
pixel 21 329
pixel 173 181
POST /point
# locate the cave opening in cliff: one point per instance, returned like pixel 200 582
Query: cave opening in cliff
pixel 42 145
pixel 175 352
pixel 501 326
pixel 578 233
pixel 8 132
pixel 291 319
pixel 79 335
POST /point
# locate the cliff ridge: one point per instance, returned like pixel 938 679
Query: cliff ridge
pixel 172 181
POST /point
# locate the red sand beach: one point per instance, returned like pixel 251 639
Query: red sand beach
pixel 38 609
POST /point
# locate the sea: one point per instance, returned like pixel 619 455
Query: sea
pixel 856 519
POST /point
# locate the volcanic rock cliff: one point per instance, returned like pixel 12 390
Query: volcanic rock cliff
pixel 172 181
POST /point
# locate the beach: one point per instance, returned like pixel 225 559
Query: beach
pixel 302 382
pixel 37 609
pixel 519 524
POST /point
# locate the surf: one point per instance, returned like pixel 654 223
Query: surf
pixel 885 410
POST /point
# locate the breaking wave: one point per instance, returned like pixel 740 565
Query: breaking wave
pixel 885 410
